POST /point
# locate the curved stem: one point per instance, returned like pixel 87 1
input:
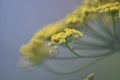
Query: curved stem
pixel 90 48
pixel 90 56
pixel 107 26
pixel 114 27
pixel 92 44
pixel 64 58
pixel 97 34
pixel 77 70
pixel 72 50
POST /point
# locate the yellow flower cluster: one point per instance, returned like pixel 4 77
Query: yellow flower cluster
pixel 63 37
pixel 72 19
pixel 92 3
pixel 35 51
pixel 90 8
pixel 111 8
pixel 80 15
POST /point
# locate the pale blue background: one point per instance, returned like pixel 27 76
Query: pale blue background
pixel 19 20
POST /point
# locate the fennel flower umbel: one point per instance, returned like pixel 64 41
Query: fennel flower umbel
pixel 91 31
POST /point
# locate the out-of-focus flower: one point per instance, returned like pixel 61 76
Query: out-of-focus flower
pixel 35 52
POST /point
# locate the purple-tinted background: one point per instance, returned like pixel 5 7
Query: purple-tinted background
pixel 19 20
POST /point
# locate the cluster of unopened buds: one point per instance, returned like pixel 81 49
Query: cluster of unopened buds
pixel 69 35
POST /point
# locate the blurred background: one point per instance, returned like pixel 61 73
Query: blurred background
pixel 20 19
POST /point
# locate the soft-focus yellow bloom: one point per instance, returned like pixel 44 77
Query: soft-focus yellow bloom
pixel 90 8
pixel 110 8
pixel 79 15
pixel 71 19
pixel 35 51
pixel 47 31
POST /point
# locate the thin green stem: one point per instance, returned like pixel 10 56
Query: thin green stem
pixel 64 58
pixel 97 34
pixel 92 44
pixel 107 26
pixel 114 27
pixel 90 56
pixel 72 50
pixel 77 70
pixel 90 48
pixel 104 27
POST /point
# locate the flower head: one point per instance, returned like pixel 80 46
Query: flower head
pixel 63 37
pixel 110 8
